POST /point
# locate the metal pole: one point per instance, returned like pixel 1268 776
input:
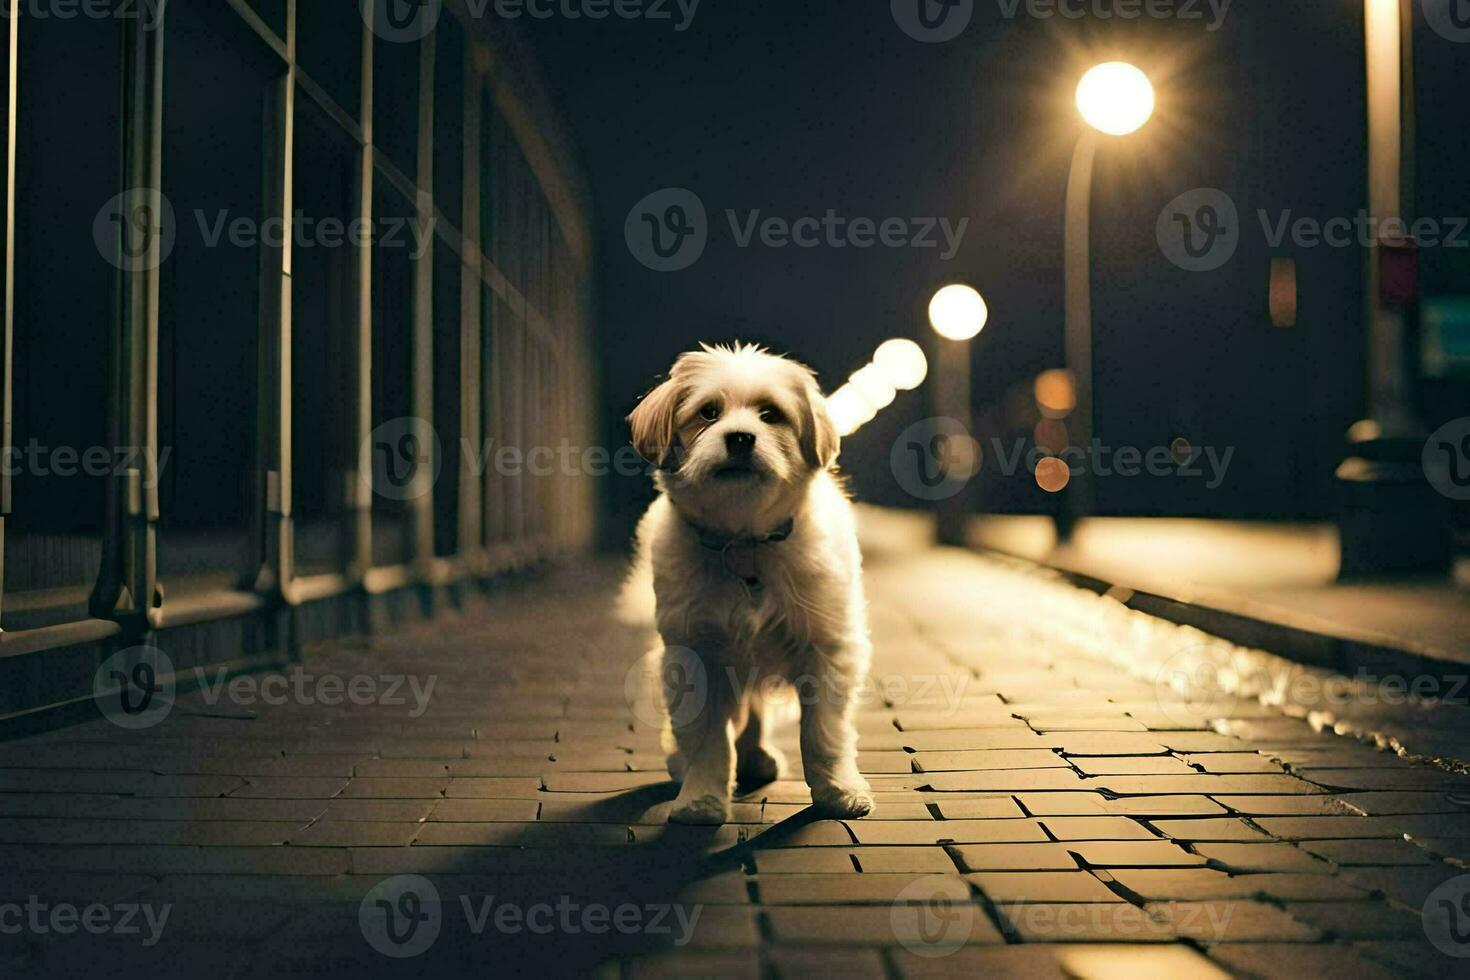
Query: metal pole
pixel 1078 272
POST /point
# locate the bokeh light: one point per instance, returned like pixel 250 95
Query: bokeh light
pixel 849 410
pixel 1056 393
pixel 1115 98
pixel 873 386
pixel 902 362
pixel 1052 475
pixel 957 312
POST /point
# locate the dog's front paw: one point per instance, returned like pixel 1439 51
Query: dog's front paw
pixel 705 810
pixel 843 800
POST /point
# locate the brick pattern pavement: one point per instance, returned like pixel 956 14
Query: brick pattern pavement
pixel 1047 806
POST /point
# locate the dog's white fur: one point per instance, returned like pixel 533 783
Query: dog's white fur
pixel 804 625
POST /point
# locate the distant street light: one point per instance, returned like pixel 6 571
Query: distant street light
pixel 957 312
pixel 902 362
pixel 1114 99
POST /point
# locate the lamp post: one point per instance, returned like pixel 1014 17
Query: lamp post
pixel 957 313
pixel 1114 99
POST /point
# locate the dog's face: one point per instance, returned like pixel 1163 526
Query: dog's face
pixel 737 432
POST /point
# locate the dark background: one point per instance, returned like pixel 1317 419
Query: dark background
pixel 797 108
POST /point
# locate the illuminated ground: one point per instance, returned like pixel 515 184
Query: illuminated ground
pixel 1065 788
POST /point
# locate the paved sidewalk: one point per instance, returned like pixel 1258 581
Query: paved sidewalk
pixel 1065 788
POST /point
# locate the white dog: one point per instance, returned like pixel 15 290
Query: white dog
pixel 756 575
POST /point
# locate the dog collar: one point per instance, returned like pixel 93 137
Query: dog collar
pixel 737 551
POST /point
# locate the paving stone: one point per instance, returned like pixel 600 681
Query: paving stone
pixel 961 924
pixel 1004 887
pixel 1013 780
pixel 818 833
pixel 484 834
pixel 1096 828
pixel 1113 961
pixel 1357 853
pixel 1232 921
pixel 411 811
pixel 985 808
pixel 1287 805
pixel 1210 829
pixel 289 788
pixel 957 739
pixel 1263 857
pixel 1014 857
pixel 1292 961
pixel 1109 744
pixel 1232 762
pixel 885 762
pixel 1193 742
pixel 1419 778
pixel 821 860
pixel 1387 803
pixel 980 761
pixel 355 833
pixel 1203 784
pixel 492 788
pixel 1082 923
pixel 1142 765
pixel 899 860
pixel 945 831
pixel 1095 804
pixel 1358 920
pixel 1201 884
pixel 1133 854
pixel 1410 958
pixel 385 788
pixel 683 963
pixel 798 961
pixel 865 889
pixel 1323 828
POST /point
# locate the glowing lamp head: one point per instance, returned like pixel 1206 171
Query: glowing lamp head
pixel 957 312
pixel 902 362
pixel 1115 98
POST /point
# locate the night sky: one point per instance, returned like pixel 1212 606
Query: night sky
pixel 794 109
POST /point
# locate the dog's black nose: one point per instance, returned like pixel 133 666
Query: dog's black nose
pixel 739 443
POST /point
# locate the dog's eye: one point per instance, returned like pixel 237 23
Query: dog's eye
pixel 710 412
pixel 772 416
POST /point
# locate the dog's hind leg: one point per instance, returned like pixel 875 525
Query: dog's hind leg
pixel 756 763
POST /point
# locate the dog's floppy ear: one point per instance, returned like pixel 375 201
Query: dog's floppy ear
pixel 653 422
pixel 819 440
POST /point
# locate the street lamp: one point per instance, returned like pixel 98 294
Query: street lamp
pixel 1114 99
pixel 957 313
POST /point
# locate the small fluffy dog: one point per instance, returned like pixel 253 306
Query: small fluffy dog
pixel 757 578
